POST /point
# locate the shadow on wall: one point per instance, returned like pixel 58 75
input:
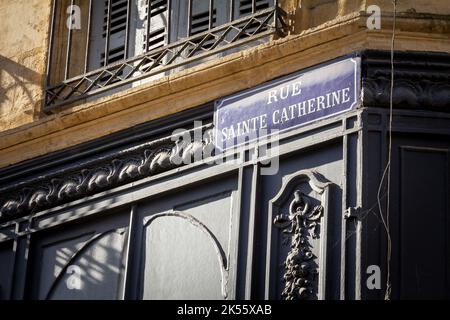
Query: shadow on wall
pixel 89 266
pixel 18 85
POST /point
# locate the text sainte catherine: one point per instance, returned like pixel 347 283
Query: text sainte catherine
pixel 286 114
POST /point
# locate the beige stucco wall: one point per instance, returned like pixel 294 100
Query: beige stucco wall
pixel 23 49
pixel 313 13
pixel 320 30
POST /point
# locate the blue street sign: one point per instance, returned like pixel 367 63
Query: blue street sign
pixel 286 103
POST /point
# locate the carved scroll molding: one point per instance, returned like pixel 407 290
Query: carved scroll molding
pixel 409 93
pixel 297 224
pixel 100 174
pixel 421 80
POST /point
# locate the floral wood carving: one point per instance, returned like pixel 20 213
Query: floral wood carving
pixel 301 224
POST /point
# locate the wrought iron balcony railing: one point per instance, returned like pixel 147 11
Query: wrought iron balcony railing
pixel 253 26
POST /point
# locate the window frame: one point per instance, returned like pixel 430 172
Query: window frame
pixel 185 51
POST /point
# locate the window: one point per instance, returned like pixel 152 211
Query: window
pixel 122 43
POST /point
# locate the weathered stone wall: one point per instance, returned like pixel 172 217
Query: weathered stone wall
pixel 313 13
pixel 23 50
pixel 320 30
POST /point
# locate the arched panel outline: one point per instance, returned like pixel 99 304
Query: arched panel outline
pixel 86 245
pixel 221 257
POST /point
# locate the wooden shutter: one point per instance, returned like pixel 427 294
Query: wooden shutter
pixel 245 8
pixel 117 35
pixel 200 17
pixel 157 38
pixel 158 25
pixel 139 41
pixel 118 26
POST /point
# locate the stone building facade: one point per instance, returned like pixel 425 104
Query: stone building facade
pixel 96 204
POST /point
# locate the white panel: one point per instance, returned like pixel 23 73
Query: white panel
pixel 187 250
pixel 172 269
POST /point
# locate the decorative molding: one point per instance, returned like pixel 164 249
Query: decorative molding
pixel 300 224
pixel 103 174
pixel 408 93
pixel 421 80
pixel 304 268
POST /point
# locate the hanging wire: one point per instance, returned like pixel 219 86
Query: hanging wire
pixel 387 170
